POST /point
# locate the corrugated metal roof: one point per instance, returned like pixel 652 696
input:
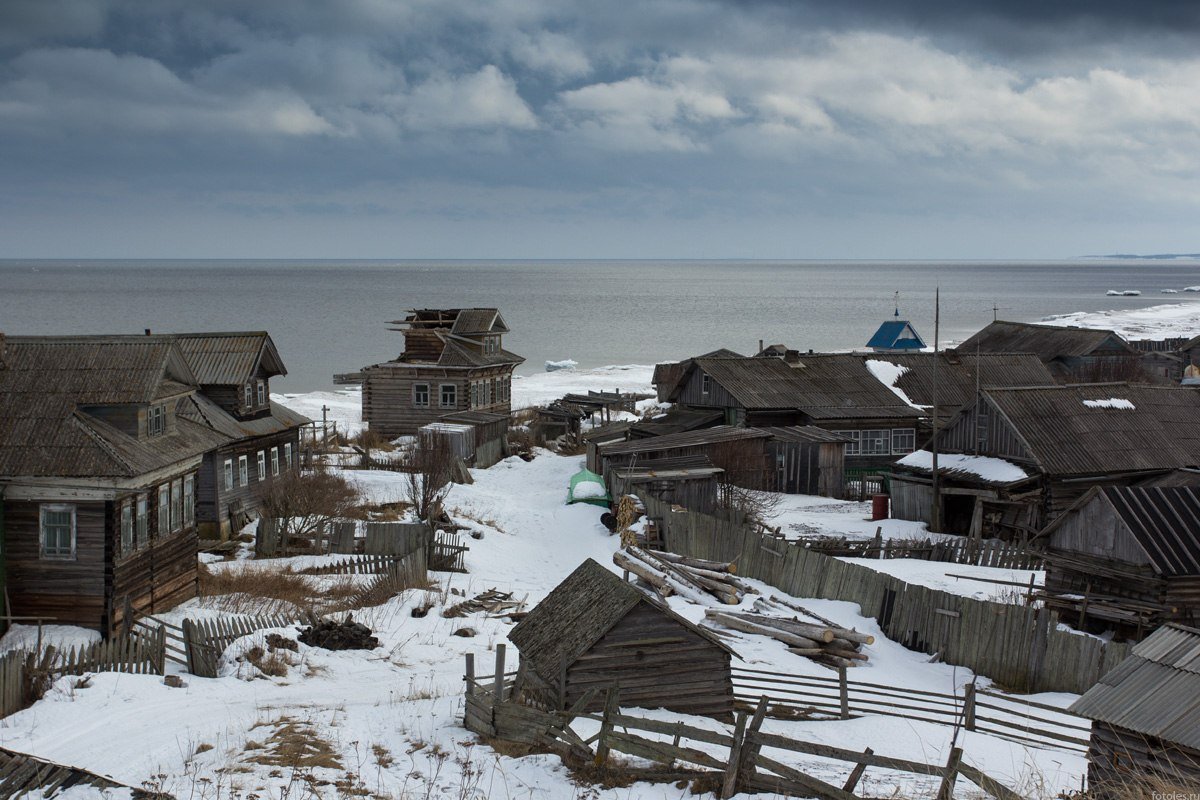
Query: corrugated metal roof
pixel 1048 342
pixel 230 357
pixel 475 417
pixel 1155 691
pixel 807 434
pixel 721 433
pixel 1165 522
pixel 677 420
pixel 204 411
pixel 1067 437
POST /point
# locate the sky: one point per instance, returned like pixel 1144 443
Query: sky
pixel 477 129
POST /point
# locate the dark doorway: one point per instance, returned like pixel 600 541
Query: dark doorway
pixel 957 510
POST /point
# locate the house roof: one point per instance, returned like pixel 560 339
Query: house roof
pixel 202 410
pixel 1048 342
pixel 671 441
pixel 48 384
pixel 1155 691
pixel 230 357
pixel 806 434
pixel 892 335
pixel 1165 521
pixel 960 373
pixel 1077 429
pixel 677 420
pixel 578 612
pixel 667 374
pixel 462 321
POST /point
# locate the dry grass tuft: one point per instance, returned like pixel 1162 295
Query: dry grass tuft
pixel 294 745
pixel 268 591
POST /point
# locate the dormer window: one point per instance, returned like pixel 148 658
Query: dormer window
pixel 156 420
pixel 262 393
pixel 491 344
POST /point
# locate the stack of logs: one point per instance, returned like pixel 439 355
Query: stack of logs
pixel 694 578
pixel 823 641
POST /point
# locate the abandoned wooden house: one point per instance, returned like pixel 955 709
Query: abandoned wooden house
pixel 667 374
pixel 1064 439
pixel 1145 716
pixel 1125 559
pixel 1074 355
pixel 596 631
pixel 453 360
pixel 98 477
pixel 234 371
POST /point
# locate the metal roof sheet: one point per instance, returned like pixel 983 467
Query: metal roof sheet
pixel 671 441
pixel 1048 342
pixel 890 335
pixel 230 357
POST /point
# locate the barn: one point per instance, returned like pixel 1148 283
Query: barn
pixel 1145 716
pixel 596 631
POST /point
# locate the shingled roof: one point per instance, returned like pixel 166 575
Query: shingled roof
pixel 1078 430
pixel 578 612
pixel 1048 342
pixel 199 408
pixel 230 357
pixel 1155 691
pixel 959 374
pixel 671 441
pixel 47 385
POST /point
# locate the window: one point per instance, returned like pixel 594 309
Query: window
pixel 177 505
pixel 243 471
pixel 874 443
pixel 421 395
pixel 505 389
pixel 262 393
pixel 58 531
pixel 249 395
pixel 449 395
pixel 262 465
pixel 126 528
pixel 156 420
pixel 705 384
pixel 228 474
pixel 189 501
pixel 274 460
pixel 475 394
pixel 142 522
pixel 904 440
pixel 493 397
pixel 287 456
pixel 164 508
pixel 491 344
pixel 852 445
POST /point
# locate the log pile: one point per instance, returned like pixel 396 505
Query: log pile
pixel 696 579
pixel 823 641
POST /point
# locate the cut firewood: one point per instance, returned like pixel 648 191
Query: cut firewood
pixel 739 624
pixel 698 563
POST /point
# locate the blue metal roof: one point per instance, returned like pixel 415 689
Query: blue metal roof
pixel 890 336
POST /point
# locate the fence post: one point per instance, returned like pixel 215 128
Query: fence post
pixel 729 785
pixel 469 675
pixel 189 648
pixel 843 693
pixel 748 760
pixel 498 686
pixel 946 790
pixel 857 772
pixel 969 706
pixel 611 707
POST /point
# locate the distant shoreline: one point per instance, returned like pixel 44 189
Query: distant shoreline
pixel 1148 257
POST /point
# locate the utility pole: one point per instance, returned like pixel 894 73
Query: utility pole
pixel 935 515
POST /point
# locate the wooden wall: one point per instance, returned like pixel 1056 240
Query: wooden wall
pixel 982 422
pixel 690 393
pixel 659 663
pixel 1097 530
pixel 155 578
pixel 1118 760
pixel 808 467
pixel 388 401
pixel 213 501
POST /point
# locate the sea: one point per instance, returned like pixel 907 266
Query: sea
pixel 331 317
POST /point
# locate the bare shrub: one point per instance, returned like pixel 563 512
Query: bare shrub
pixel 746 479
pixel 430 469
pixel 252 590
pixel 302 503
pixel 521 440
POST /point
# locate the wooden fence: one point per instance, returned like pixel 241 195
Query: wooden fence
pixel 23 775
pixel 206 639
pixel 977 552
pixel 444 551
pixel 730 758
pixel 1019 647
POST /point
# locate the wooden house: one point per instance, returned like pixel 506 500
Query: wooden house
pixel 1074 355
pixel 596 631
pixel 1126 559
pixel 234 371
pixel 741 453
pixel 99 475
pixel 454 360
pixel 1145 716
pixel 1065 439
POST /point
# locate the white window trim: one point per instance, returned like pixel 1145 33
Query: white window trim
pixel 128 537
pixel 415 394
pixel 227 474
pixel 176 505
pixel 261 392
pixel 274 460
pixel 261 463
pixel 164 509
pixel 189 501
pixel 243 471
pixel 248 395
pixel 287 455
pixel 56 508
pixel 705 384
pixel 141 521
pixel 453 387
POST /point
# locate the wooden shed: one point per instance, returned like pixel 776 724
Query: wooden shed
pixel 1074 355
pixel 1145 716
pixel 1126 558
pixel 596 631
pixel 740 452
pixel 489 432
pixel 808 460
pixel 690 481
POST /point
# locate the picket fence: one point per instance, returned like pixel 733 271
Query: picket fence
pixel 1020 647
pixel 977 552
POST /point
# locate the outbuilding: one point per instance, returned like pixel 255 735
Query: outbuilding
pixel 597 631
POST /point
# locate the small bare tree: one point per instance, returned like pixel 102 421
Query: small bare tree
pixel 745 482
pixel 301 503
pixel 430 467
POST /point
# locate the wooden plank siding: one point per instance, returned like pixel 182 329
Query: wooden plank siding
pixel 658 663
pixel 387 399
pixel 1119 758
pixel 213 500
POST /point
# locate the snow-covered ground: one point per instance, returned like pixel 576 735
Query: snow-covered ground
pixel 1153 322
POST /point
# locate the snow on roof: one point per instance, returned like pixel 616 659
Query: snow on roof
pixel 993 470
pixel 1112 402
pixel 888 374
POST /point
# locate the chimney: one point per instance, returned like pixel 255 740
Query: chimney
pixel 760 345
pixel 147 331
pixel 791 356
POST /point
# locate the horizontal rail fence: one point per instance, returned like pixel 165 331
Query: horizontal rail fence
pixel 827 697
pixel 731 758
pixel 1018 646
pixel 977 552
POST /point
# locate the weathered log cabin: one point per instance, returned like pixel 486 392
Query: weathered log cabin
pixel 741 453
pixel 453 360
pixel 1074 355
pixel 596 631
pixel 807 460
pixel 690 481
pixel 1145 716
pixel 98 477
pixel 234 370
pixel 1126 559
pixel 1067 438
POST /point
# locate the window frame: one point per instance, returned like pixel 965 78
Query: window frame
pixel 287 455
pixel 176 505
pixel 452 394
pixel 72 531
pixel 243 471
pixel 419 389
pixel 248 395
pixel 128 543
pixel 164 509
pixel 260 461
pixel 275 461
pixel 141 521
pixel 910 434
pixel 189 501
pixel 881 436
pixel 156 420
pixel 261 392
pixel 853 447
pixel 227 474
pixel 705 383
